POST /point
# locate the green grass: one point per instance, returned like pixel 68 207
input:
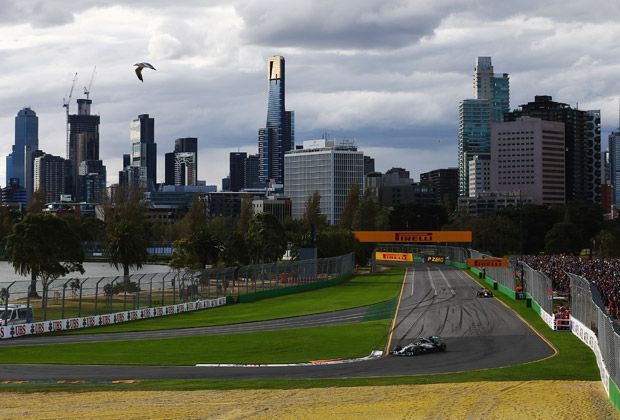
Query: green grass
pixel 575 361
pixel 285 346
pixel 362 290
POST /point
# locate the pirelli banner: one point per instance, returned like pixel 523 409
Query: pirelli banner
pixel 413 236
pixel 401 257
pixel 487 262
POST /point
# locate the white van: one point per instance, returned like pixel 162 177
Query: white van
pixel 15 314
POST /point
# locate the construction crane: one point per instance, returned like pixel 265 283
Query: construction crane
pixel 65 103
pixel 87 89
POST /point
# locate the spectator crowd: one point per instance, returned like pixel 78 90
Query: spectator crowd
pixel 604 273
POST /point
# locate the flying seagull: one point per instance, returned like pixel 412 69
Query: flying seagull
pixel 140 66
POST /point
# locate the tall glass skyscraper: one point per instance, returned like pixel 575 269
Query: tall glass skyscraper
pixel 278 136
pixel 144 152
pixel 614 165
pixel 26 134
pixel 476 115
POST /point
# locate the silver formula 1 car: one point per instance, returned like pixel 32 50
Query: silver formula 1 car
pixel 420 346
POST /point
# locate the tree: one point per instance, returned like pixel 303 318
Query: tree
pixel 245 215
pixel 350 207
pixel 563 238
pixel 36 205
pixel 370 215
pixel 44 247
pixel 334 241
pixel 127 232
pixel 313 218
pixel 266 239
pixel 418 217
pixel 609 244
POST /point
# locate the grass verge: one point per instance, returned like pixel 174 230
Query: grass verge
pixel 283 346
pixel 362 290
pixel 573 362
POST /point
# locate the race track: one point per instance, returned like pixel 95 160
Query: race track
pixel 437 300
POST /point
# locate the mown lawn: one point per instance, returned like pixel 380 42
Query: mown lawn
pixel 285 346
pixel 362 290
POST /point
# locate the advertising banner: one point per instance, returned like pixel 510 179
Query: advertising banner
pixel 394 256
pixel 487 262
pixel 413 236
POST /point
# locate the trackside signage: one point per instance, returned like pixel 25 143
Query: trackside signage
pixel 435 259
pixel 413 236
pixel 13 331
pixel 487 262
pixel 394 256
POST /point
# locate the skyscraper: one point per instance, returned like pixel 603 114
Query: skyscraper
pixel 278 137
pixel 475 116
pixel 83 139
pixel 53 177
pixel 237 170
pixel 582 140
pixel 182 163
pixel 252 165
pixel 614 165
pixel 26 134
pixel 142 172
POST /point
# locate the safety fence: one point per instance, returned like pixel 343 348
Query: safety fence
pixel 93 296
pixel 33 328
pixel 591 323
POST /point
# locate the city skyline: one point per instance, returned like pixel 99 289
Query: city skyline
pixel 210 83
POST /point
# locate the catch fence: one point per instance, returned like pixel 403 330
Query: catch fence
pixel 91 296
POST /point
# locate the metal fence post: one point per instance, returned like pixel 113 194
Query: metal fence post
pixel 97 294
pixel 64 288
pixel 6 303
pixel 80 301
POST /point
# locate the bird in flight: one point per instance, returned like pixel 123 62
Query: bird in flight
pixel 140 66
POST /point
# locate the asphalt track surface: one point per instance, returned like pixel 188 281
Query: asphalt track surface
pixel 436 300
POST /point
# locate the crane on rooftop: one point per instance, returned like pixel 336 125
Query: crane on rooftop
pixel 90 84
pixel 66 101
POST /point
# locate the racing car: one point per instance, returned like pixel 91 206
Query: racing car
pixel 485 293
pixel 420 346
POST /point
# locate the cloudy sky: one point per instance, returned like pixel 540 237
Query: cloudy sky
pixel 387 73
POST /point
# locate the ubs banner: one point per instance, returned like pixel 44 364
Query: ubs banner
pixel 13 331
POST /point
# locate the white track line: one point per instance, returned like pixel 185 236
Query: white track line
pixel 412 280
pixel 447 282
pixel 430 277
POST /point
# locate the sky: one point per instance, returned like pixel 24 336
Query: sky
pixel 388 74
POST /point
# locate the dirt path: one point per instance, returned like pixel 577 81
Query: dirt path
pixel 505 400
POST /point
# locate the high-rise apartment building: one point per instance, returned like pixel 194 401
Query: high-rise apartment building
pixel 26 135
pixel 31 152
pixel 278 136
pixel 474 136
pixel 325 167
pixel 479 175
pixel 182 163
pixel 582 140
pixel 614 165
pixel 527 156
pixel 237 170
pixel 369 165
pixel 53 177
pixel 92 181
pixel 252 169
pixel 475 116
pixel 445 183
pixel 142 171
pixel 83 139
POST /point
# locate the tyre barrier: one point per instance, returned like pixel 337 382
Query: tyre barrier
pixel 19 330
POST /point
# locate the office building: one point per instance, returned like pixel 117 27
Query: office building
pixel 141 173
pixel 92 181
pixel 325 167
pixel 369 165
pixel 237 162
pixel 53 177
pixel 614 165
pixel 26 135
pixel 252 170
pixel 479 175
pixel 445 183
pixel 279 207
pixel 30 153
pixel 582 141
pixel 13 194
pixel 278 136
pixel 527 155
pixel 487 203
pixel 474 136
pixel 182 163
pixel 492 101
pixel 83 138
